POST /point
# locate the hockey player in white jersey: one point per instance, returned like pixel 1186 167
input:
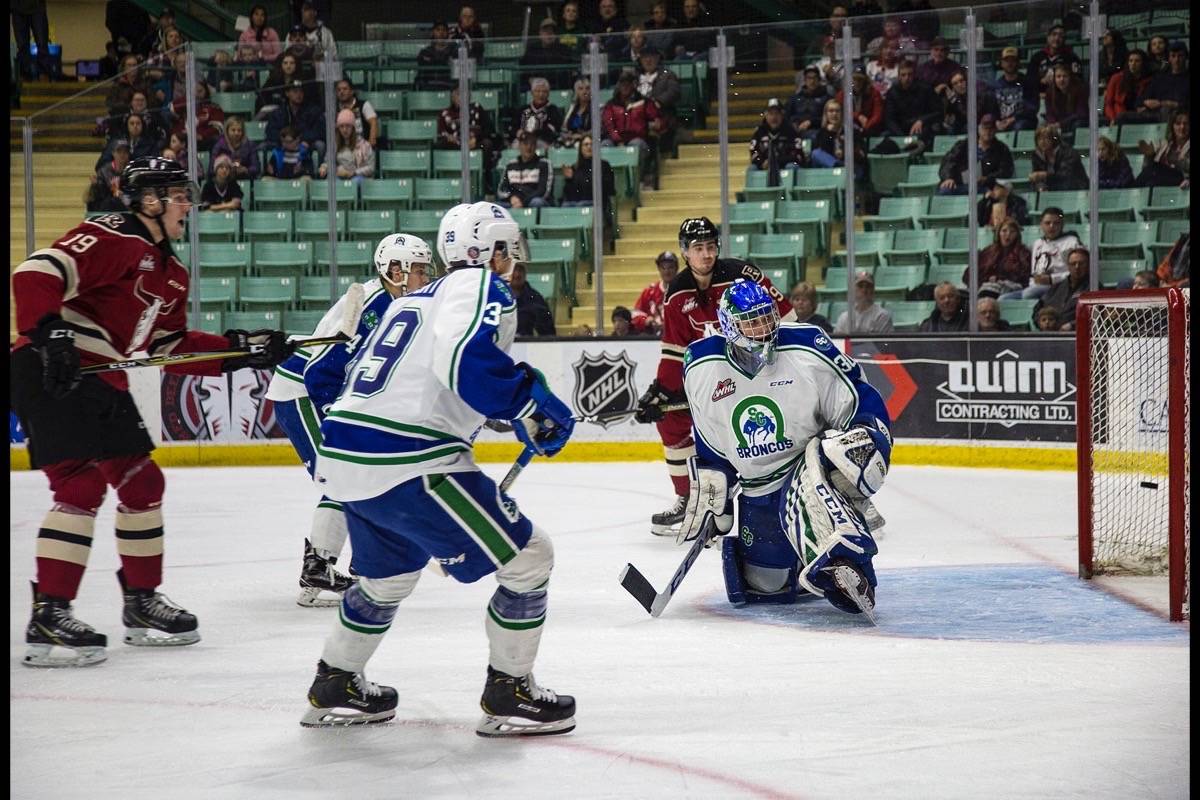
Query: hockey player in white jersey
pixel 778 410
pixel 397 453
pixel 304 386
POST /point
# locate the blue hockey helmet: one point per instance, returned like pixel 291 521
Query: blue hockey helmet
pixel 749 322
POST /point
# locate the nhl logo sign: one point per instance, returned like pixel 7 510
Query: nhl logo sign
pixel 604 383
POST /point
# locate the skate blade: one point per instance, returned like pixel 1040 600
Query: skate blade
pixel 664 530
pixel 343 718
pixel 310 597
pixel 149 637
pixel 491 727
pixel 53 656
pixel 846 580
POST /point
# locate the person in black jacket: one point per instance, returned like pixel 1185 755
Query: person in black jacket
pixel 578 188
pixel 806 106
pixel 774 145
pixel 949 316
pixel 911 108
pixel 527 181
pixel 546 52
pixel 533 313
pixel 993 160
pixel 541 117
pixel 308 121
pixel 433 61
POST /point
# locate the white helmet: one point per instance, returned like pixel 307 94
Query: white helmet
pixel 468 235
pixel 405 249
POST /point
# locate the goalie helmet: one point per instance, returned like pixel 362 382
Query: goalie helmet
pixel 405 251
pixel 749 322
pixel 470 234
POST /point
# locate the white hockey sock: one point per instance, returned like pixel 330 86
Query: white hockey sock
pixel 517 610
pixel 329 530
pixel 367 610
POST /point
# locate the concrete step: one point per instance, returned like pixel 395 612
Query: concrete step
pixel 744 79
pixel 612 297
pixel 631 267
pixel 682 196
pixel 737 136
pixel 659 229
pixel 673 216
pixel 649 247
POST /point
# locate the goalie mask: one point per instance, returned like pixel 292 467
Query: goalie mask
pixel 749 322
pixel 470 235
pixel 396 256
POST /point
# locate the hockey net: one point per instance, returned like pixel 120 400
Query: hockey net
pixel 1132 362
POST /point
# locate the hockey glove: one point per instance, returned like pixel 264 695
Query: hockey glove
pixel 857 459
pixel 650 404
pixel 708 496
pixel 549 427
pixel 267 349
pixel 55 343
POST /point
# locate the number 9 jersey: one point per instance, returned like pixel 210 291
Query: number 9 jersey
pixel 421 385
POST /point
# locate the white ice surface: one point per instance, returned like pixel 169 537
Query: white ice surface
pixel 707 701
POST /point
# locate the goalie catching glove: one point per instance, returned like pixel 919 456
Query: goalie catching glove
pixel 548 428
pixel 650 405
pixel 857 459
pixel 267 349
pixel 708 496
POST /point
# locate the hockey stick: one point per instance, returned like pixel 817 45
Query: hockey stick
pixel 634 582
pixel 606 415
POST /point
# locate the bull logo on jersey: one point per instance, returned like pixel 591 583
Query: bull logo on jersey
pixel 145 323
pixel 604 383
pixel 759 427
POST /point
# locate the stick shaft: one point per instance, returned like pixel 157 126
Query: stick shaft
pixel 190 358
pixel 522 461
pixel 612 414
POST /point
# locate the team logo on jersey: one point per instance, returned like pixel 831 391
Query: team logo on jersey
pixel 370 319
pixel 759 427
pixel 820 341
pixel 604 383
pixel 689 305
pixel 725 387
pixel 147 263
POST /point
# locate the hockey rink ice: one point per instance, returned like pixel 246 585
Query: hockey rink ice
pixel 994 672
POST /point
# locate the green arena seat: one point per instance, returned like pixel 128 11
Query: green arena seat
pixel 433 193
pixel 821 184
pixel 946 272
pixel 1113 271
pixel 224 259
pixel 809 217
pixel 314 225
pixel 387 104
pixel 834 287
pixel 217 294
pixel 779 251
pixel 282 259
pixel 425 105
pixel 758 188
pixel 1122 205
pixel 261 226
pixel 410 134
pixel 907 315
pixel 1018 313
pixel 395 193
pixel 869 248
pixel 752 217
pixel 354 258
pixel 946 211
pixel 218 225
pixel 345 193
pixel 419 222
pixel 253 320
pixel 1126 240
pixel 897 213
pixel 921 181
pixel 267 294
pixel 271 193
pixel 314 291
pixel 1169 231
pixel 240 103
pixel 301 323
pixel 1167 202
pixel 913 248
pixel 405 163
pixel 212 322
pixel 373 224
pixel 894 283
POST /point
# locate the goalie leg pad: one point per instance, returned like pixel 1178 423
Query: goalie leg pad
pixel 759 563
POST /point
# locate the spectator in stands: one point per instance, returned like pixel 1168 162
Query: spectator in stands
pixel 626 118
pixel 1048 264
pixel 870 27
pixel 274 91
pixel 298 44
pixel 572 33
pixel 221 73
pixel 221 191
pixel 1169 162
pixel 318 35
pixel 869 316
pixel 884 70
pixel 954 105
pixel 659 86
pixel 993 160
pixel 479 135
pixel 468 28
pixel 807 106
pixel 911 107
pixel 545 52
pixel 868 104
pixel 1004 265
pixel 246 77
pixel 660 28
pixel 161 62
pixel 949 315
pixel 241 152
pixel 648 310
pixel 1056 165
pixel 129 25
pixel 210 119
pixel 533 313
pixel 1046 319
pixel 353 156
pixel 1042 63
pixel 29 17
pixel 291 157
pixel 527 181
pixel 153 127
pixel 261 37
pixel 104 194
pixel 1064 294
pixel 616 44
pixel 893 36
pixel 774 145
pixel 1016 94
pixel 155 40
pixel 577 191
pixel 828 148
pixel 1143 279
pixel 1113 54
pixel 577 121
pixel 692 41
pixel 177 147
pixel 129 80
pixel 172 86
pixel 433 61
pixel 622 322
pixel 366 121
pixel 1066 100
pixel 997 202
pixel 1115 169
pixel 1125 88
pixel 1156 54
pixel 140 145
pixel 637 43
pixel 1170 90
pixel 1176 268
pixel 541 117
pixel 832 69
pixel 803 296
pixel 303 118
pixel 940 68
pixel 837 20
pixel 987 311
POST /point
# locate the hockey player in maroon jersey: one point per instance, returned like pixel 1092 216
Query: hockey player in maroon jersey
pixel 110 287
pixel 690 307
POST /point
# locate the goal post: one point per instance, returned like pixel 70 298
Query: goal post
pixel 1132 369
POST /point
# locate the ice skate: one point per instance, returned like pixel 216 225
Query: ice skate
pixel 666 523
pixel 519 707
pixel 339 697
pixel 152 620
pixel 57 639
pixel 318 576
pixel 855 588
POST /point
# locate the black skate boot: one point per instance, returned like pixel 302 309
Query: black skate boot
pixel 519 707
pixel 854 593
pixel 53 625
pixel 341 697
pixel 318 575
pixel 146 610
pixel 666 523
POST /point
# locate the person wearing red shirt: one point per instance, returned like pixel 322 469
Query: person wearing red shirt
pixel 648 310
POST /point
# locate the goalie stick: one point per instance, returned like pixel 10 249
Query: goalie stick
pixel 346 330
pixel 634 582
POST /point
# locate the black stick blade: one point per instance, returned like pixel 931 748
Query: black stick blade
pixel 636 584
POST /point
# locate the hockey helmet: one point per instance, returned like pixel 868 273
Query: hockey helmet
pixel 470 234
pixel 749 321
pixel 697 229
pixel 405 250
pixel 157 175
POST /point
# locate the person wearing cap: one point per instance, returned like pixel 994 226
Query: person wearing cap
pixel 1057 51
pixel 527 180
pixel 938 70
pixel 354 159
pixel 541 117
pixel 659 86
pixel 625 120
pixel 548 57
pixel 221 191
pixel 805 108
pixel 315 31
pixel 868 104
pixel 949 315
pixel 994 160
pixel 291 158
pixel 647 315
pixel 1016 94
pixel 1170 90
pixel 869 317
pixel 433 60
pixel 307 119
pixel 774 146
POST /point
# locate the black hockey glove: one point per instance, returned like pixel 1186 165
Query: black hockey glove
pixel 267 348
pixel 650 404
pixel 55 343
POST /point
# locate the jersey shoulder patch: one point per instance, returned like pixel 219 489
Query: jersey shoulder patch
pixel 811 337
pixel 701 348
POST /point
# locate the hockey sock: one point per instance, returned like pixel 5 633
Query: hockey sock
pixel 367 610
pixel 140 546
pixel 517 610
pixel 329 530
pixel 677 461
pixel 63 546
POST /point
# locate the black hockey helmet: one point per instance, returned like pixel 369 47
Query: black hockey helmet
pixel 698 229
pixel 153 174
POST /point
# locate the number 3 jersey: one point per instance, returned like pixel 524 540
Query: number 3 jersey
pixel 421 385
pixel 758 426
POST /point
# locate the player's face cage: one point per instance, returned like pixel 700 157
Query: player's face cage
pixel 751 335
